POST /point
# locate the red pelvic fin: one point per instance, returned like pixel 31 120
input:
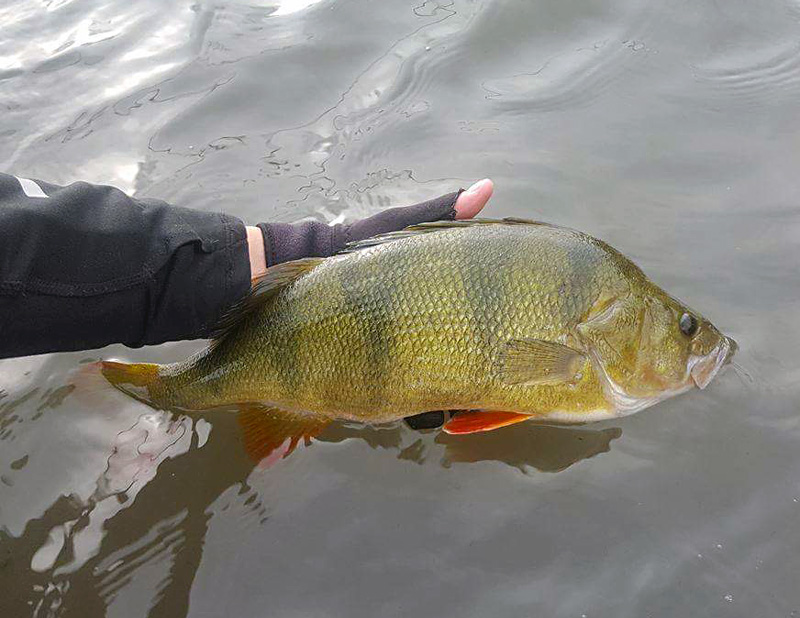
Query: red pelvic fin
pixel 474 421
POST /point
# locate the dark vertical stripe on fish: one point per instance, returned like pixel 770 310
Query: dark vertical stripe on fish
pixel 485 292
pixel 577 280
pixel 371 306
pixel 284 355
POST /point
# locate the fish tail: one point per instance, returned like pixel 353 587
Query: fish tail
pixel 141 381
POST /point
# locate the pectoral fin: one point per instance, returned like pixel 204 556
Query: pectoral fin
pixel 474 421
pixel 269 434
pixel 536 361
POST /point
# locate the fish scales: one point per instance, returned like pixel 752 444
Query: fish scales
pixel 411 326
pixel 520 319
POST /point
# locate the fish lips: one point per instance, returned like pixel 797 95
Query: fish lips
pixel 703 368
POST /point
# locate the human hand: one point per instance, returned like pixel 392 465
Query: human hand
pixel 273 243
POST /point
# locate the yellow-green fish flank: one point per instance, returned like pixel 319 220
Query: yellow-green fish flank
pixel 508 316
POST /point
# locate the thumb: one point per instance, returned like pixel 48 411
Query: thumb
pixel 472 201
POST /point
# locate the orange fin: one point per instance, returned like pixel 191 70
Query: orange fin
pixel 478 420
pixel 270 434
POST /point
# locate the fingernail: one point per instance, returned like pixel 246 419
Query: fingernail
pixel 476 187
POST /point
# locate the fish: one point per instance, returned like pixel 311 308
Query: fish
pixel 503 320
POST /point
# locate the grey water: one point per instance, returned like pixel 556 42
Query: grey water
pixel 669 129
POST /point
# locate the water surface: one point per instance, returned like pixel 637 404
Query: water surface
pixel 669 129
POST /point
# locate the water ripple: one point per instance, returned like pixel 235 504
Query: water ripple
pixel 748 74
pixel 568 79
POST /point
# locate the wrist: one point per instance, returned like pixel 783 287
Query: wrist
pixel 255 249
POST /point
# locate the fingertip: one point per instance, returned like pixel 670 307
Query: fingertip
pixel 472 201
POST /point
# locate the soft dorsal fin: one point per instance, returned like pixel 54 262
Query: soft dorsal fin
pixel 274 280
pixel 433 226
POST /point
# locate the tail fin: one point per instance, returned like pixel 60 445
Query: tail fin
pixel 94 381
pixel 139 380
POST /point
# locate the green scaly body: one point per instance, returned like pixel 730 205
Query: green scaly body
pixel 414 324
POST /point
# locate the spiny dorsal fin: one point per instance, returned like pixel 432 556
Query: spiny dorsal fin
pixel 432 226
pixel 273 281
pixel 536 361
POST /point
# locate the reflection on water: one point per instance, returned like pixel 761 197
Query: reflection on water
pixel 87 549
pixel 168 465
pixel 545 448
pixel 667 129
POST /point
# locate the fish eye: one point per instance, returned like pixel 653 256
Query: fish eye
pixel 689 325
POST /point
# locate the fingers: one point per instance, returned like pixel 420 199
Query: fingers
pixel 442 207
pixel 471 201
pixel 283 242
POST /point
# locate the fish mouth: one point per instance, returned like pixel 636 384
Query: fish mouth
pixel 703 368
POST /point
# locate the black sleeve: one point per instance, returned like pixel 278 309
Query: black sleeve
pixel 84 266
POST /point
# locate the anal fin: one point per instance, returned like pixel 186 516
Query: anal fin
pixel 270 434
pixel 475 421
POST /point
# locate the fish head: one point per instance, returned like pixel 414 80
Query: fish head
pixel 649 346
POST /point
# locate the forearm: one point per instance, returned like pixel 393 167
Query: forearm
pixel 84 266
